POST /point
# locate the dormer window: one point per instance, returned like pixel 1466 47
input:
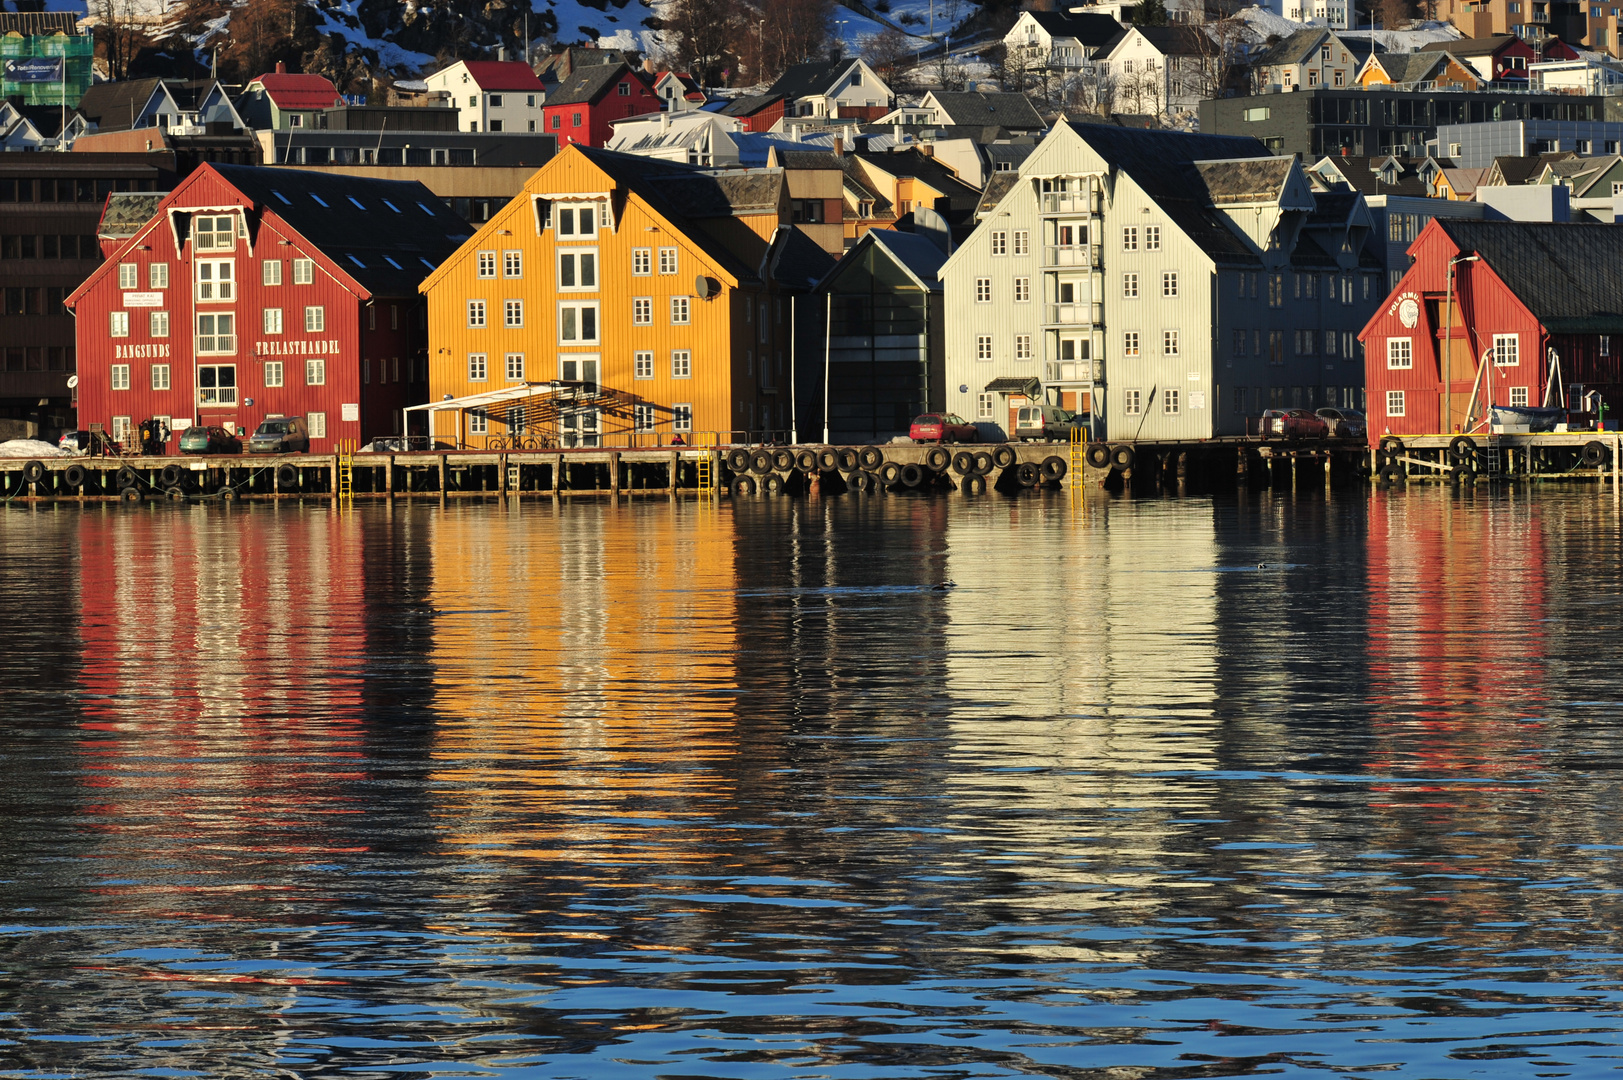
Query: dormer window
pixel 625 89
pixel 212 232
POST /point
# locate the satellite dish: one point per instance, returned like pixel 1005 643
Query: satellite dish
pixel 73 380
pixel 704 287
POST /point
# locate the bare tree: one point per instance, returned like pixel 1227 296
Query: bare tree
pixel 703 35
pixel 259 34
pixel 1392 14
pixel 777 34
pixel 119 34
pixel 889 52
pixel 1221 59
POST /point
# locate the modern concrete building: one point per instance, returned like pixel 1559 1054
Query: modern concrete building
pixel 1476 145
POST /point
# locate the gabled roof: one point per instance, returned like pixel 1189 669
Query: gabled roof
pixel 921 257
pixel 961 197
pixel 1483 46
pixel 290 91
pixel 690 86
pixel 1005 110
pixel 500 75
pixel 1088 29
pixel 795 260
pixel 1176 40
pixel 1293 49
pixel 1415 67
pixel 1512 169
pixel 1245 181
pixel 997 186
pixel 749 106
pixel 46 119
pixel 804 159
pixel 587 84
pixel 1360 174
pixel 1464 181
pixel 811 79
pixel 115 106
pixel 1570 276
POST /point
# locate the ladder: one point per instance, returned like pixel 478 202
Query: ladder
pixel 707 478
pixel 1079 458
pixel 346 471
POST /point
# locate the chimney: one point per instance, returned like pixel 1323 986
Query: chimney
pixel 281 67
pixel 501 52
pixel 839 146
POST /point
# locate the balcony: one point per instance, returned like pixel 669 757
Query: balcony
pixel 1075 371
pixel 1065 202
pixel 1073 255
pixel 1074 314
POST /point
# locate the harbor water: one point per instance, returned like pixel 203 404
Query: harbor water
pixel 786 788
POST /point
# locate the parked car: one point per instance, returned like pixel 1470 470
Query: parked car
pixel 942 427
pixel 1344 423
pixel 209 440
pixel 1293 424
pixel 1033 423
pixel 74 442
pixel 280 435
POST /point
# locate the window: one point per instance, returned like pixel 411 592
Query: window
pixel 983 347
pixel 681 364
pixel 1152 238
pixel 478 423
pixel 304 271
pixel 1276 290
pixel 119 324
pixel 1169 283
pixel 1022 290
pixel 642 365
pixel 1129 286
pixel 129 276
pixel 1239 343
pixel 122 428
pixel 316 422
pixel 495 101
pixel 1129 238
pixel 1518 397
pixel 577 269
pixel 1169 343
pixel 1394 403
pixel 1131 402
pixel 476 314
pixel 1022 242
pixel 158 324
pixel 487 264
pixel 270 272
pixel 160 376
pixel 217 383
pixel 216 333
pixel 515 367
pixel 512 263
pixel 983 290
pixel 1000 243
pixel 1329 343
pixel 1505 350
pixel 1022 346
pixel 394 319
pixel 271 320
pixel 680 310
pixel 478 371
pixel 984 406
pixel 315 320
pixel 1169 402
pixel 575 220
pixel 667 260
pixel 1129 343
pixel 642 311
pixel 1400 352
pixel 121 376
pixel 1606 345
pixel 682 417
pixel 513 314
pixel 577 323
pixel 214 232
pixel 641 261
pixel 215 282
pixel 315 372
pixel 273 373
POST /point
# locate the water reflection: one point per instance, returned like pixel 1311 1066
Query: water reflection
pixel 898 787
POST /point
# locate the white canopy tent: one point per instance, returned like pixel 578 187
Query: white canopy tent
pixel 485 401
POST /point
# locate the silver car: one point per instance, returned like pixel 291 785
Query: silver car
pixel 1343 423
pixel 280 435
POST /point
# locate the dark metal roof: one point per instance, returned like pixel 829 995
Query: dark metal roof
pixel 1412 67
pixel 1007 110
pixel 586 84
pixel 1293 49
pixel 806 159
pixel 1088 29
pixel 1514 169
pixel 1014 384
pixel 796 261
pixel 1570 276
pixel 1483 46
pixel 749 106
pixel 807 80
pixel 114 106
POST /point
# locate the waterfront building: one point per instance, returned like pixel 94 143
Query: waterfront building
pixel 255 292
pixel 1174 286
pixel 1515 313
pixel 659 292
pixel 491 95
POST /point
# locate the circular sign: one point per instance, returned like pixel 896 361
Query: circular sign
pixel 963 388
pixel 1409 312
pixel 73 380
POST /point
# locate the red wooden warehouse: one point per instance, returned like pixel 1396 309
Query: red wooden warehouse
pixel 258 292
pixel 580 109
pixel 1539 302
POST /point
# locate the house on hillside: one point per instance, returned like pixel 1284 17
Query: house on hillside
pixel 1159 70
pixel 1013 114
pixel 255 292
pixel 693 137
pixel 883 188
pixel 1174 286
pixel 1501 58
pixel 757 113
pixel 845 87
pixel 1586 178
pixel 1311 57
pixel 491 95
pixel 1059 39
pixel 1423 70
pixel 279 101
pixel 579 110
pixel 678 91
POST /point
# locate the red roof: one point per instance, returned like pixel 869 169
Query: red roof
pixel 504 75
pixel 300 91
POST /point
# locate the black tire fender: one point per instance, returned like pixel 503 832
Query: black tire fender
pixel 870 458
pixel 1122 456
pixel 783 460
pixel 743 485
pixel 172 475
pixel 890 472
pixel 772 484
pixel 975 485
pixel 175 492
pixel 738 459
pixel 130 494
pixel 1098 455
pixel 1027 474
pixel 806 461
pixel 34 472
pixel 828 459
pixel 1004 456
pixel 75 476
pixel 912 475
pixel 761 462
pixel 1595 453
pixel 1392 445
pixel 937 458
pixel 860 482
pixel 128 477
pixel 983 462
pixel 287 476
pixel 848 460
pixel 963 463
pixel 1055 468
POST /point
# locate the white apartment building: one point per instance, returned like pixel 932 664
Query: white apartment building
pixel 492 95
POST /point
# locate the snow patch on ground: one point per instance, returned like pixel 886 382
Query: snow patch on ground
pixel 30 448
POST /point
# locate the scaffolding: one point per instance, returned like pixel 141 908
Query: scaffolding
pixel 76 53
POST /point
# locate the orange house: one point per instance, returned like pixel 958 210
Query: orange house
pixel 1428 69
pixel 620 301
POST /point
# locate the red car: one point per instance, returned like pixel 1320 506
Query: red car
pixel 942 427
pixel 1293 424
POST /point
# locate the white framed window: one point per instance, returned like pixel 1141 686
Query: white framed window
pixel 478 423
pixel 642 365
pixel 129 276
pixel 667 260
pixel 217 384
pixel 1399 353
pixel 118 324
pixel 577 269
pixel 1132 402
pixel 315 319
pixel 682 416
pixel 681 310
pixel 271 320
pixel 487 264
pixel 642 260
pixel 273 373
pixel 512 263
pixel 270 272
pixel 1152 238
pixel 304 271
pixel 681 364
pixel 985 404
pixel 316 423
pixel 1518 397
pixel 1129 286
pixel 513 314
pixel 983 348
pixel 1606 344
pixel 577 323
pixel 122 429
pixel 1394 403
pixel 160 376
pixel 1000 243
pixel 575 221
pixel 476 314
pixel 158 324
pixel 1129 343
pixel 515 367
pixel 1506 350
pixel 1169 401
pixel 214 232
pixel 642 418
pixel 315 371
pixel 642 311
pixel 1022 242
pixel 983 290
pixel 1022 290
pixel 217 333
pixel 1022 346
pixel 1129 238
pixel 1169 343
pixel 478 369
pixel 121 377
pixel 216 281
pixel 1169 283
pixel 158 276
